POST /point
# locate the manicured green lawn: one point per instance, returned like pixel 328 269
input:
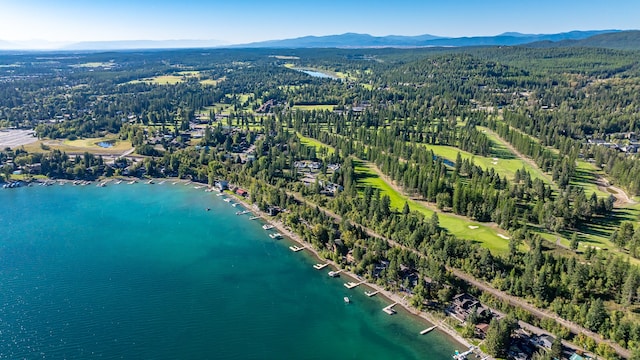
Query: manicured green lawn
pixel 307 141
pixel 585 176
pixel 504 163
pixel 458 226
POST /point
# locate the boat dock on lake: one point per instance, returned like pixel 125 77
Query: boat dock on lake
pixel 371 293
pixel 389 309
pixel 295 248
pixel 254 217
pixel 243 212
pixel 351 285
pixel 278 236
pixel 320 266
pixel 335 273
pixel 462 356
pixel 428 330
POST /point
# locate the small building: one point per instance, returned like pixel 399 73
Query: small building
pixel 481 330
pixel 242 192
pixel 273 210
pixel 545 341
pixel 222 185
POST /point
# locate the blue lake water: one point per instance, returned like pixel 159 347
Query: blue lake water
pixel 105 144
pixel 145 272
pixel 316 74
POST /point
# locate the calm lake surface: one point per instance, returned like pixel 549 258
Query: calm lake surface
pixel 316 74
pixel 145 272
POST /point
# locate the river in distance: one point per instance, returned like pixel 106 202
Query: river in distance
pixel 147 272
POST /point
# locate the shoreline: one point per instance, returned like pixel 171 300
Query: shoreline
pixel 293 237
pixel 387 294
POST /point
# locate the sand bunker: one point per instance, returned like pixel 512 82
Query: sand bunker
pixel 473 227
pixel 503 236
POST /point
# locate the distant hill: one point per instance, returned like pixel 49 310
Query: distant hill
pixel 142 44
pixel 623 40
pixel 352 40
pixel 596 38
pixel 343 40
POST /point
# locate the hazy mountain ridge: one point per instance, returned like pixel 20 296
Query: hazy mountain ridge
pixel 619 39
pixel 624 40
pixel 352 40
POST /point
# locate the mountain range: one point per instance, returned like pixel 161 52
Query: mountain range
pixel 353 40
pixel 617 39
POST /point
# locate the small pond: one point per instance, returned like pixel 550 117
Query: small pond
pixel 106 144
pixel 317 74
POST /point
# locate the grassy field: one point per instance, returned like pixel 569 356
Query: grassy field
pixel 597 232
pixel 170 79
pixel 82 145
pixel 504 162
pixel 313 107
pixel 500 150
pixel 160 80
pixel 463 228
pixel 585 176
pixel 307 141
pixel 212 82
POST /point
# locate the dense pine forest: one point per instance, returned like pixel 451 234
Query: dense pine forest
pixel 418 169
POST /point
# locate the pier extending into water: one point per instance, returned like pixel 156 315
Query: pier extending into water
pixel 254 218
pixel 351 285
pixel 371 293
pixel 428 330
pixel 320 266
pixel 462 356
pixel 295 248
pixel 334 273
pixel 389 309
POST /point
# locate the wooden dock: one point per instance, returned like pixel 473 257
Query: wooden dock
pixel 295 248
pixel 371 293
pixel 428 330
pixel 320 266
pixel 334 273
pixel 351 285
pixel 389 309
pixel 254 217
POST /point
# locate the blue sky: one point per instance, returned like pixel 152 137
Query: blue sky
pixel 242 21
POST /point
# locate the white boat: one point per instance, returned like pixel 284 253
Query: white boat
pixel 267 226
pixel 333 274
pixel 347 300
pixel 227 200
pixel 275 236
